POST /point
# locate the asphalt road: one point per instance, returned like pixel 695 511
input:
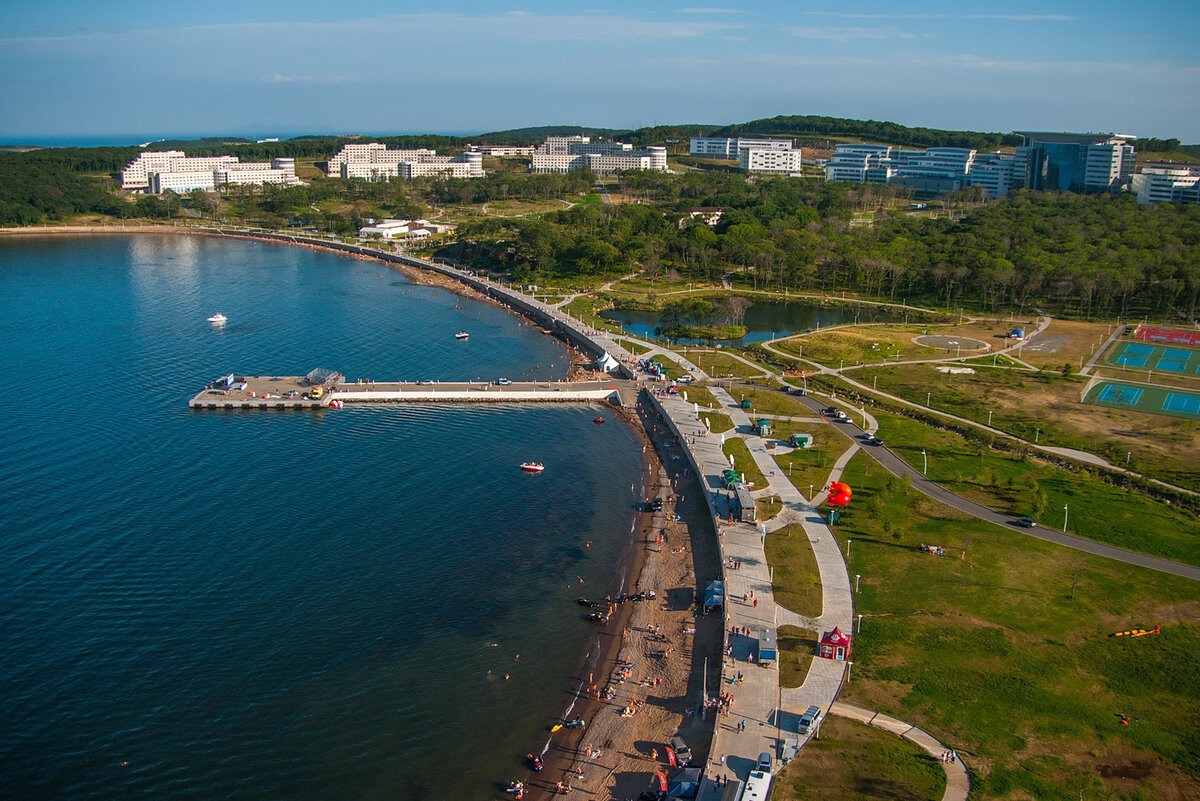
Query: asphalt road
pixel 898 467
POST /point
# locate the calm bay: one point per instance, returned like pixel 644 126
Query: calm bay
pixel 282 605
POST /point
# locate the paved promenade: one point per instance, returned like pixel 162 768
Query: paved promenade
pixel 763 716
pixel 958 779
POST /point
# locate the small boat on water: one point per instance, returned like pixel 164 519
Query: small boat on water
pixel 598 420
pixel 218 319
pixel 461 335
pixel 532 467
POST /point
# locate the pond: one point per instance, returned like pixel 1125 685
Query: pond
pixel 763 320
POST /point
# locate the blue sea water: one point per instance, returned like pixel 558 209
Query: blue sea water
pixel 281 605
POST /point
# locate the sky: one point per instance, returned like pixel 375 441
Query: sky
pixel 139 69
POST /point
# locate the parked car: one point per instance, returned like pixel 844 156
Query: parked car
pixel 764 762
pixel 830 410
pixel 874 441
pixel 504 382
pixel 656 505
pixel 683 754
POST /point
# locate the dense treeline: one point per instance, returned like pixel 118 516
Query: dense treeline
pixel 54 185
pixel 1073 254
pixel 884 132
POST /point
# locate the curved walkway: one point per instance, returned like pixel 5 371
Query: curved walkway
pixel 958 778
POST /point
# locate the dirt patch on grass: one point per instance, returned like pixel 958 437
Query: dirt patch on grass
pixel 1082 339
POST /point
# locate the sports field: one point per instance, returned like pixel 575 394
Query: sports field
pixel 1169 360
pixel 1155 400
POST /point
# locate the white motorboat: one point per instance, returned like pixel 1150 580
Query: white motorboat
pixel 461 335
pixel 218 319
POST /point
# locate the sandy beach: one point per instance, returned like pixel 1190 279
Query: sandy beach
pixel 645 683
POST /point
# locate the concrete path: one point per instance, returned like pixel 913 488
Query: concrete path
pixel 958 779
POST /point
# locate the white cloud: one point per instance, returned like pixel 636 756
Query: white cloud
pixel 1009 17
pixel 711 11
pixel 846 34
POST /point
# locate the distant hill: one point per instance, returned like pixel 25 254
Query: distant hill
pixel 537 135
pixel 811 129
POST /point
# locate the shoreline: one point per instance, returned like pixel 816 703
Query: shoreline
pixel 628 742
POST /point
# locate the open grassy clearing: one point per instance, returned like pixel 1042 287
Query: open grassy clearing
pixel 1071 340
pixel 698 393
pixel 797 580
pixel 855 762
pixel 808 468
pixel 1044 406
pixel 521 208
pixel 767 507
pixel 717 423
pixel 721 364
pixel 587 308
pixel 1026 487
pixel 770 401
pixel 1001 649
pixel 743 462
pixel 796 649
pixel 858 345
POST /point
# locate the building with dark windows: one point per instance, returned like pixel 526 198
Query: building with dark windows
pixel 1075 162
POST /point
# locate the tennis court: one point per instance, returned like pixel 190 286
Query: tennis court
pixel 1176 361
pixel 1154 400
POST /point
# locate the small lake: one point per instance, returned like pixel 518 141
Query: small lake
pixel 764 320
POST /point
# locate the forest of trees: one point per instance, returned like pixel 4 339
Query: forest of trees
pixel 1084 255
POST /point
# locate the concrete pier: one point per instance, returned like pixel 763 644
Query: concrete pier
pixel 291 392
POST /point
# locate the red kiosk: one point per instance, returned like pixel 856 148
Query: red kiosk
pixel 835 645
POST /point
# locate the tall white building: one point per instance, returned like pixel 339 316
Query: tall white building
pixel 376 162
pixel 171 170
pixel 571 153
pixel 731 148
pixel 1168 183
pixel 771 161
pixel 936 169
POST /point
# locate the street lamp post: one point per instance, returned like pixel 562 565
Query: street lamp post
pixel 924 463
pixel 857 580
pixel 859 631
pixel 1065 511
pixel 848 548
pixel 810 492
pixel 1037 436
pixel 874 382
pixel 989 418
pixel 928 395
pixel 848 666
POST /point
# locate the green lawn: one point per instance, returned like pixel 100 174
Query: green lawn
pixel 1001 649
pixel 1027 488
pixel 808 468
pixel 743 462
pixel 717 423
pixel 797 580
pixel 796 649
pixel 720 364
pixel 855 762
pixel 1045 407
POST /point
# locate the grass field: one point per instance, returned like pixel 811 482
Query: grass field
pixel 1045 406
pixel 1004 653
pixel 743 462
pixel 808 468
pixel 855 762
pixel 1029 488
pixel 719 364
pixel 717 423
pixel 797 580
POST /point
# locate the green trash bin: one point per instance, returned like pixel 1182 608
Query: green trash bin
pixel 746 404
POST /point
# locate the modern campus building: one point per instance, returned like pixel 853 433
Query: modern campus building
pixel 503 150
pixel 1074 162
pixel 1168 183
pixel 407 230
pixel 772 161
pixel 571 153
pixel 1068 162
pixel 376 162
pixel 731 148
pixel 173 171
